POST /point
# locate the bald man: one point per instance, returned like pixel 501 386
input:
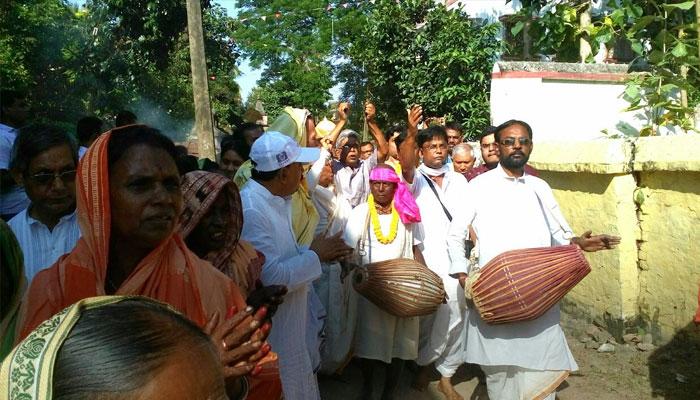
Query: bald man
pixel 463 158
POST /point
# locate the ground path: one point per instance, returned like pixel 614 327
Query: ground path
pixel 670 372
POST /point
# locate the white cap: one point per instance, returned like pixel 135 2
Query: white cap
pixel 274 150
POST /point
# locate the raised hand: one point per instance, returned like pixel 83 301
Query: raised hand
pixel 595 243
pixel 370 112
pixel 415 115
pixel 343 110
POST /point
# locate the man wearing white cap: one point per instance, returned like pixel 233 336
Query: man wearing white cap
pixel 277 173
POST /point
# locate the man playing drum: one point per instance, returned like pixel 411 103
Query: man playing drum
pixel 515 210
pixel 384 229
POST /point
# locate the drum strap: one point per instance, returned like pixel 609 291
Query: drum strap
pixel 437 196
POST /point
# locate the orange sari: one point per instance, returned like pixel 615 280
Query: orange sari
pixel 171 273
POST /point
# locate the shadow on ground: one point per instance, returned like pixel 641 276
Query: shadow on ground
pixel 674 369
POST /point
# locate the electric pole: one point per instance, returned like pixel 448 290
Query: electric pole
pixel 203 123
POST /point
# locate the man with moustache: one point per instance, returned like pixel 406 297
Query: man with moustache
pixel 440 193
pixel 490 155
pixel 515 210
pixel 44 162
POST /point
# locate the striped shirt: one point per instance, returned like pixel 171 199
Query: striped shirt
pixel 42 247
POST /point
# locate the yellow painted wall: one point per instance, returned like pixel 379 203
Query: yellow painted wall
pixel 670 252
pixel 653 276
pixel 602 203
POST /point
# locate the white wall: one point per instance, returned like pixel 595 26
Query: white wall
pixel 563 109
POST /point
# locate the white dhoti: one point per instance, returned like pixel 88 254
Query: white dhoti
pixel 442 333
pixel 508 382
pixel 340 304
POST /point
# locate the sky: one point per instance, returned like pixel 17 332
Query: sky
pixel 246 80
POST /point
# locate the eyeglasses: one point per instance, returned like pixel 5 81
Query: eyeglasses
pixel 44 178
pixel 434 147
pixel 510 142
pixel 489 145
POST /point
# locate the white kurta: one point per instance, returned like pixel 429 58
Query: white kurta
pixel 442 333
pixel 336 296
pixel 353 184
pixel 267 226
pixel 506 215
pixel 380 335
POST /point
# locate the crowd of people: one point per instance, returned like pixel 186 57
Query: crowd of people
pixel 130 268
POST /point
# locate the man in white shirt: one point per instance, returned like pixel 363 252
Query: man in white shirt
pixel 351 172
pixel 277 172
pixel 13 114
pixel 44 163
pixel 440 193
pixel 515 210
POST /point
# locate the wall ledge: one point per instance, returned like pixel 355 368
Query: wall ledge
pixel 603 156
pixel 617 156
pixel 667 153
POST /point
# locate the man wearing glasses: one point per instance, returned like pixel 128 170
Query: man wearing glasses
pixel 514 210
pixel 490 155
pixel 44 161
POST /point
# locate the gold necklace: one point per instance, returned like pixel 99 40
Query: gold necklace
pixel 377 228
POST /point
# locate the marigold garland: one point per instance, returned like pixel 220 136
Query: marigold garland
pixel 374 218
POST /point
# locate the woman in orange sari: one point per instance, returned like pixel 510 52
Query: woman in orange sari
pixel 211 225
pixel 128 203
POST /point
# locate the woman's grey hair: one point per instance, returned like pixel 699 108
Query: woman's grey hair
pixel 116 349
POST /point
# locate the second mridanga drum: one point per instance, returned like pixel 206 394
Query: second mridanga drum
pixel 401 287
pixel 521 285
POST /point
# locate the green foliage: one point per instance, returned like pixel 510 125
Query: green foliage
pixel 662 34
pixel 417 52
pixel 293 41
pixel 114 54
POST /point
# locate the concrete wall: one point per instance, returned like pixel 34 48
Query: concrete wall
pixel 564 101
pixel 648 192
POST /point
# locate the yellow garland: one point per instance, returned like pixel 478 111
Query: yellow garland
pixel 374 217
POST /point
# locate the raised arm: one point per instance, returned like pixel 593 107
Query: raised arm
pixel 382 144
pixel 343 111
pixel 408 154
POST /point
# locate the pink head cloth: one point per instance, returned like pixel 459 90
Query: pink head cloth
pixel 404 202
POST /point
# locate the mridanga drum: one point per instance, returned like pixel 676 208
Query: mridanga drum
pixel 521 285
pixel 401 287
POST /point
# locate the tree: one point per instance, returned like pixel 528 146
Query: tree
pixel 293 42
pixel 115 54
pixel 417 52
